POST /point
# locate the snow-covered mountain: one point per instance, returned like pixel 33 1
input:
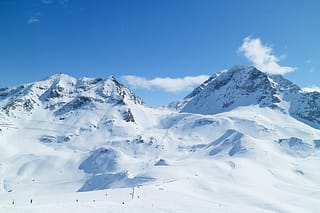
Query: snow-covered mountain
pixel 64 94
pixel 243 141
pixel 245 86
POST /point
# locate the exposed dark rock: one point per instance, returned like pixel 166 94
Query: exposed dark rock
pixel 161 162
pixel 296 146
pixel 128 116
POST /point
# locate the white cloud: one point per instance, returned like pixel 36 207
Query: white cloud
pixel 311 89
pixel 166 84
pixel 261 56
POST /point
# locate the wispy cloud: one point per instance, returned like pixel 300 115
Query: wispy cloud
pixel 62 3
pixel 308 61
pixel 47 1
pixel 311 89
pixel 261 56
pixel 166 84
pixel 33 19
pixel 312 70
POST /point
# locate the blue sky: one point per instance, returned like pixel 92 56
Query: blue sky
pixel 159 48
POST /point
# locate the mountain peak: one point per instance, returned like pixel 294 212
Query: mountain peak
pixel 60 77
pixel 240 67
pixel 61 92
pixel 238 77
pixel 228 89
pixel 112 78
pixel 244 86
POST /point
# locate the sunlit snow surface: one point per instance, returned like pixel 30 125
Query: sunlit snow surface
pixel 91 158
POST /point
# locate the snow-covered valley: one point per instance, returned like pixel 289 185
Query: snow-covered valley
pixel 244 141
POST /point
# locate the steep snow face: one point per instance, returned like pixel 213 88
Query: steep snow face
pixel 244 86
pixel 306 108
pixel 239 86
